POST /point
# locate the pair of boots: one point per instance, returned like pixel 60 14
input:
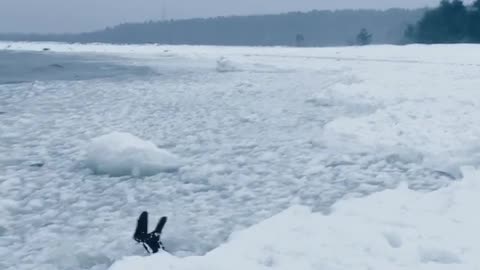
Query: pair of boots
pixel 151 241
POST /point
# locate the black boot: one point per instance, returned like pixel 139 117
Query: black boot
pixel 151 241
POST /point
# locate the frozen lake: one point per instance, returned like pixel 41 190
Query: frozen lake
pixel 18 67
pixel 257 130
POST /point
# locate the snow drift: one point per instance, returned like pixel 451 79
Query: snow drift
pixel 395 229
pixel 119 154
pixel 226 65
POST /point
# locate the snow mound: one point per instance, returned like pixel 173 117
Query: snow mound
pixel 395 229
pixel 120 154
pixel 226 65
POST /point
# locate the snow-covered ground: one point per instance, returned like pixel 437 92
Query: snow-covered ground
pixel 235 136
pixel 398 230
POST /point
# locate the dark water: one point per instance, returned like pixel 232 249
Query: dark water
pixel 20 67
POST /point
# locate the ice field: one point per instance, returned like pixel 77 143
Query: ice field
pixel 262 158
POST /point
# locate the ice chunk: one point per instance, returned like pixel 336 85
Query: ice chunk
pixel 226 65
pixel 119 154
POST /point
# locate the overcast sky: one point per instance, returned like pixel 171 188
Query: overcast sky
pixel 85 15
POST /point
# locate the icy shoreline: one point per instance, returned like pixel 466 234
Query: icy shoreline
pixel 395 229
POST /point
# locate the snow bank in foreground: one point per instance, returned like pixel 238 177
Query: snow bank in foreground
pixel 395 229
pixel 119 154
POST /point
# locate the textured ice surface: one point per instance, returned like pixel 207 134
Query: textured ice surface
pixel 18 67
pixel 395 229
pixel 120 154
pixel 293 126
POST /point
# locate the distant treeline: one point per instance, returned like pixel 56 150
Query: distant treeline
pixel 451 22
pixel 315 28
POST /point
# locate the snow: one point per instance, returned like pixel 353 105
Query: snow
pixel 120 154
pixel 291 126
pixel 395 229
pixel 225 65
pixel 415 54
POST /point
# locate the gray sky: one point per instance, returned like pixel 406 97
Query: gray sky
pixel 85 15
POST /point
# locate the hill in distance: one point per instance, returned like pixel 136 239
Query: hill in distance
pixel 318 28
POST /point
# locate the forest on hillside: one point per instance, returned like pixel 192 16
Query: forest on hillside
pixel 315 28
pixel 451 22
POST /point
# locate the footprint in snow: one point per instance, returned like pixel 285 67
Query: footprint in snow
pixel 393 239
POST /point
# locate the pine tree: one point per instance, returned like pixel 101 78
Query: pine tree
pixel 451 22
pixel 364 37
pixel 474 22
pixel 299 40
